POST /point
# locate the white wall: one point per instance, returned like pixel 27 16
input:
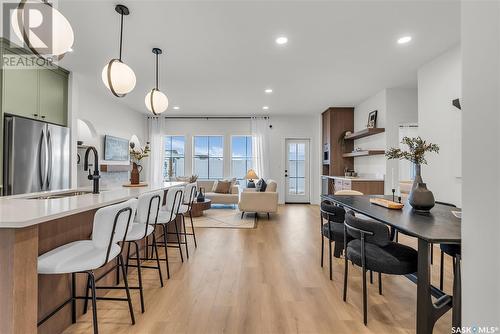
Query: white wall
pixel 394 106
pixel 481 163
pixel 439 82
pixel 91 102
pixel 307 127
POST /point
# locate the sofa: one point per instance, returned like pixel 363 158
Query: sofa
pixel 231 198
pixel 260 202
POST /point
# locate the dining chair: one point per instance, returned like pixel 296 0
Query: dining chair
pixel 452 250
pixel 372 249
pixel 333 230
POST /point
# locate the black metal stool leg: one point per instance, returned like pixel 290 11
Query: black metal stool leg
pixel 139 275
pixel 128 257
pixel 330 257
pixel 178 239
pixel 155 246
pixel 165 245
pixel 371 277
pixel 346 271
pixel 94 301
pixel 125 280
pixel 365 302
pixel 185 236
pixel 86 301
pixel 192 228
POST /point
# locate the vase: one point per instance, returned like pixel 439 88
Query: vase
pixel 417 168
pixel 135 173
pixel 201 195
pixel 421 198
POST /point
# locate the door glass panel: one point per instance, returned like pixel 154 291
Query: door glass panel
pixel 301 188
pixel 301 169
pixel 301 151
pixel 292 185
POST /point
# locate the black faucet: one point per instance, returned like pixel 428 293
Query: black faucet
pixel 94 177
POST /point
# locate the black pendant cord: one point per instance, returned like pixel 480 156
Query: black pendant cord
pixel 157 68
pixel 121 36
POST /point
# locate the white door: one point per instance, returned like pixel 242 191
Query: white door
pixel 297 171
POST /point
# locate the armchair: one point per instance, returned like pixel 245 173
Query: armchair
pixel 259 202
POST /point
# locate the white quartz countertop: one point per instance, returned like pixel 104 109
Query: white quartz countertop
pixel 353 178
pixel 21 211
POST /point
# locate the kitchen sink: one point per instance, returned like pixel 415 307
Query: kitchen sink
pixel 62 195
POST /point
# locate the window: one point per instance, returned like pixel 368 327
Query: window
pixel 174 157
pixel 208 157
pixel 241 156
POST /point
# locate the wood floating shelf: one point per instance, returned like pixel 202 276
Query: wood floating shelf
pixel 364 133
pixel 363 153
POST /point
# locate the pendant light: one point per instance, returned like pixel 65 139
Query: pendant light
pixel 54 35
pixel 117 76
pixel 156 101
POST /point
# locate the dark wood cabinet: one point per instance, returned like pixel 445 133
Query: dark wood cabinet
pixel 335 121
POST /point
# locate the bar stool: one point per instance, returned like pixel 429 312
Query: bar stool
pixel 110 227
pixel 167 216
pixel 148 206
pixel 186 207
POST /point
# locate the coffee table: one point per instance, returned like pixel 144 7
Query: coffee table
pixel 198 207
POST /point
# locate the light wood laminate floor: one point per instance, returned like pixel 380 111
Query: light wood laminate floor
pixel 264 280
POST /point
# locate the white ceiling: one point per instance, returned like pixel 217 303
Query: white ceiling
pixel 221 55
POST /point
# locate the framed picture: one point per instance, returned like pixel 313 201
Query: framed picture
pixel 372 119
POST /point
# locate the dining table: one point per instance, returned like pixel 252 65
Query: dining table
pixel 438 226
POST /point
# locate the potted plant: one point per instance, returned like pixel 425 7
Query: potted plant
pixel 136 155
pixel 420 198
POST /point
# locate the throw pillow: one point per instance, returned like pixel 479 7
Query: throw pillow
pixel 258 185
pixel 214 186
pixel 223 187
pixel 263 186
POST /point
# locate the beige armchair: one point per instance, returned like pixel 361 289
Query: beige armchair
pixel 260 202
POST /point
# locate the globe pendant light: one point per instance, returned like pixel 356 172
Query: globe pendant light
pixel 117 76
pixel 54 35
pixel 156 101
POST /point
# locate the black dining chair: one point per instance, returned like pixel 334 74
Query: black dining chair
pixel 333 230
pixel 453 250
pixel 372 249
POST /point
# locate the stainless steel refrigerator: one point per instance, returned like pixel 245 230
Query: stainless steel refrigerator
pixel 36 156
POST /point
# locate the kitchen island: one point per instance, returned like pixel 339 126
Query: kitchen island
pixel 33 224
pixel 366 185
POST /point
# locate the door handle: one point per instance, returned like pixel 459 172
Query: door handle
pixel 286 175
pixel 41 177
pixel 49 162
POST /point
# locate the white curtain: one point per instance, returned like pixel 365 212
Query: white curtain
pixel 157 154
pixel 260 146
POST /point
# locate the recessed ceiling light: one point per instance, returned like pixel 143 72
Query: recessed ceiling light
pixel 268 91
pixel 281 40
pixel 265 108
pixel 404 40
pixel 177 108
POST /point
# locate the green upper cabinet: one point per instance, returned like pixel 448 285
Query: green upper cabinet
pixel 20 92
pixel 38 92
pixel 53 94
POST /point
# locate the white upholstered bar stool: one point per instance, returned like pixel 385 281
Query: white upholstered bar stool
pixel 166 216
pixel 85 256
pixel 148 206
pixel 185 208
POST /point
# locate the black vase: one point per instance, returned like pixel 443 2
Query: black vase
pixel 421 198
pixel 201 195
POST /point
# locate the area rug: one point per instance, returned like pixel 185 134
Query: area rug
pixel 224 217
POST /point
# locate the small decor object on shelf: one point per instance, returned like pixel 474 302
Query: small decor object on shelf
pixel 251 175
pixel 372 120
pixel 420 198
pixel 136 155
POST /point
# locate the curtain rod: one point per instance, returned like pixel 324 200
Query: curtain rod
pixel 212 117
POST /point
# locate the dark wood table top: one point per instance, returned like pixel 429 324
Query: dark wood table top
pixel 439 226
